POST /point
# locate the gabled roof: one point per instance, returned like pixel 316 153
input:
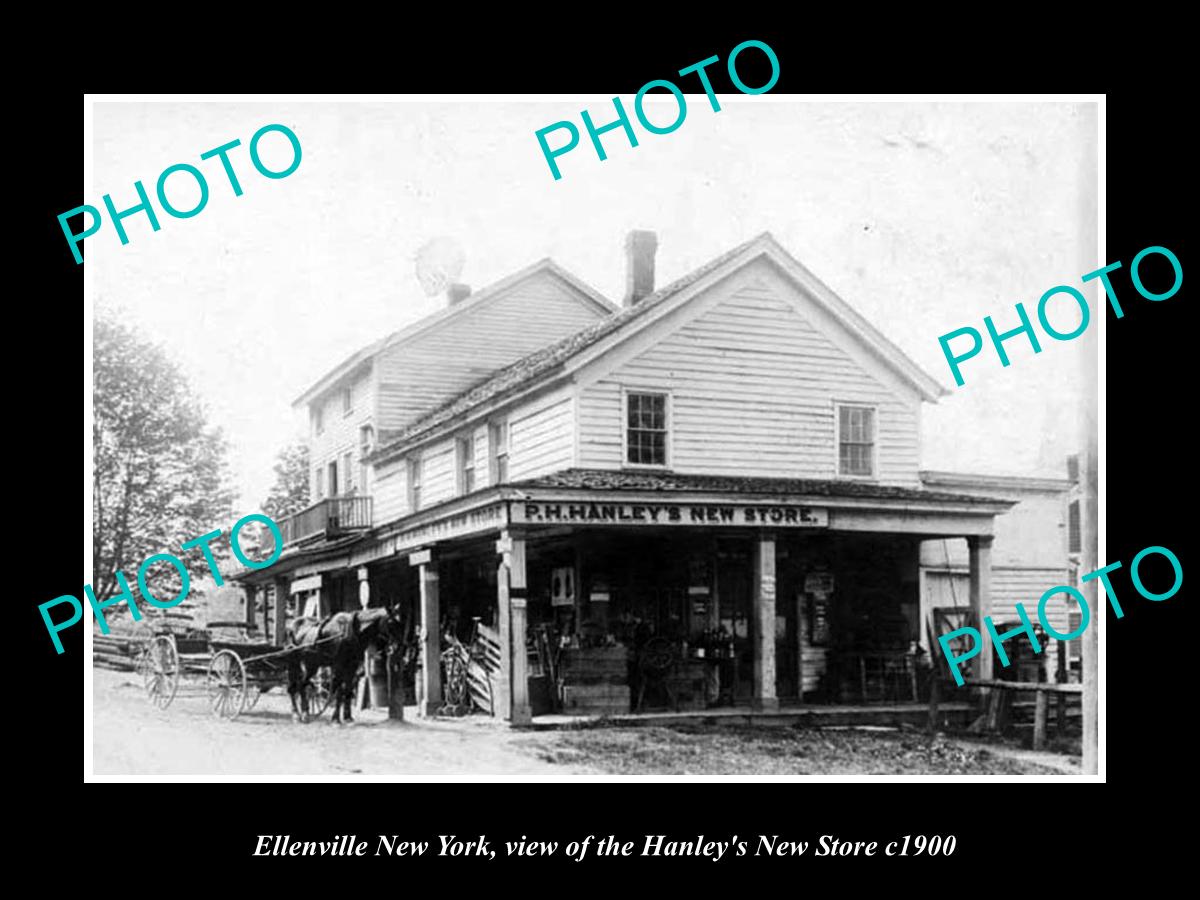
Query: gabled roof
pixel 450 314
pixel 543 365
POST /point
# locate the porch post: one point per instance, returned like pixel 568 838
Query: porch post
pixel 511 594
pixel 282 593
pixel 763 563
pixel 980 552
pixel 431 642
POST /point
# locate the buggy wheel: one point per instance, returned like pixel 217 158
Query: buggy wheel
pixel 226 684
pixel 320 692
pixel 159 668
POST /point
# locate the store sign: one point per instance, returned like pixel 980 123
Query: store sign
pixel 688 514
pixel 484 519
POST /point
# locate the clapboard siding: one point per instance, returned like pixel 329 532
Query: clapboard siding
pixel 541 441
pixel 429 369
pixel 752 387
pixel 438 480
pixel 391 492
pixel 340 433
pixel 1011 586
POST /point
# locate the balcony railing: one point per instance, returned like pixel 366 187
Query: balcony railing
pixel 330 517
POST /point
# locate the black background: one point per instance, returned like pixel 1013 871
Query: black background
pixel 1030 835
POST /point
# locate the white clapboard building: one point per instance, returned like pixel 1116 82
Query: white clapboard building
pixel 708 496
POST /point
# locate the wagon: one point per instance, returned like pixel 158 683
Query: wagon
pixel 235 674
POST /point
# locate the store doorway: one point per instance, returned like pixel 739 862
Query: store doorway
pixel 733 616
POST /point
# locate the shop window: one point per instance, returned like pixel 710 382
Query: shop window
pixel 414 484
pixel 466 464
pixel 499 455
pixel 646 429
pixel 856 440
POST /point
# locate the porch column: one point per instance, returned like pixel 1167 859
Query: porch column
pixel 763 564
pixel 511 595
pixel 431 642
pixel 980 552
pixel 251 590
pixel 282 594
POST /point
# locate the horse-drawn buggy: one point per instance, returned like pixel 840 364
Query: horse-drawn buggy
pixel 232 674
pixel 319 665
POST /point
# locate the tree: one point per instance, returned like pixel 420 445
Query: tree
pixel 289 494
pixel 160 475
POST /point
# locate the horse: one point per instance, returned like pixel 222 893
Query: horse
pixel 338 642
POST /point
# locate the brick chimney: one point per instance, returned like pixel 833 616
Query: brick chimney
pixel 639 265
pixel 456 293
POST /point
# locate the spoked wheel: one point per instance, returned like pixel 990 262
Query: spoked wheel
pixel 226 684
pixel 320 692
pixel 159 668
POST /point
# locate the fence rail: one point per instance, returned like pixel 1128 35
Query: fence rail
pixel 330 517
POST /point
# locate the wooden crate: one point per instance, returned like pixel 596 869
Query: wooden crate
pixel 595 665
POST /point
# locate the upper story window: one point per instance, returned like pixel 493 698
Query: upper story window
pixel 414 483
pixel 366 440
pixel 466 464
pixel 318 417
pixel 347 474
pixel 347 401
pixel 320 485
pixel 645 429
pixel 499 456
pixel 856 440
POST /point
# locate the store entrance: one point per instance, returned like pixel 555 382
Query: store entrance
pixel 733 602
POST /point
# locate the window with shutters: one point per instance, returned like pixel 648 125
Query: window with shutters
pixel 1074 540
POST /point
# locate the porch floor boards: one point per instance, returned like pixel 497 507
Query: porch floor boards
pixel 890 714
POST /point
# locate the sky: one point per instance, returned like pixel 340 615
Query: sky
pixel 925 217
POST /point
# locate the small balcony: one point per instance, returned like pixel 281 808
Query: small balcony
pixel 329 518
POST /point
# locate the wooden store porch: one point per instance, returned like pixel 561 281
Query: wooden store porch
pixel 950 715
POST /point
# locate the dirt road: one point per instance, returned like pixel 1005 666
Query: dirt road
pixel 131 737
